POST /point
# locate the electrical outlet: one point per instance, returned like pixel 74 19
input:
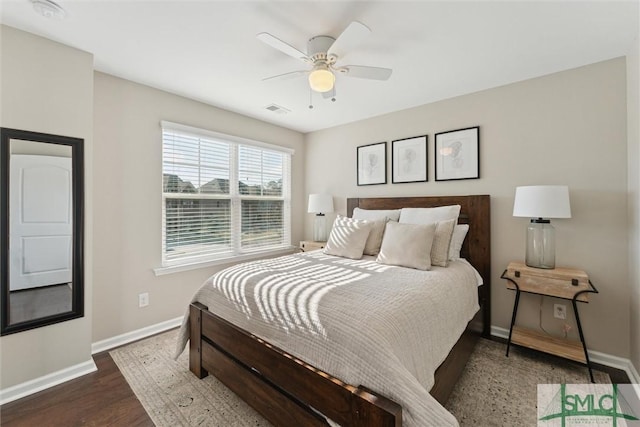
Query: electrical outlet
pixel 143 300
pixel 559 311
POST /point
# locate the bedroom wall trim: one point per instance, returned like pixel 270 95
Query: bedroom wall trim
pixel 160 271
pixel 595 356
pixel 38 384
pixel 138 334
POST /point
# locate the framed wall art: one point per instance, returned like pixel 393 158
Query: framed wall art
pixel 457 154
pixel 372 164
pixel 409 160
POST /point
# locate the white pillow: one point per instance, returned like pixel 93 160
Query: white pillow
pixel 459 233
pixel 375 214
pixel 348 237
pixel 372 246
pixel 447 215
pixel 429 215
pixel 407 245
pixel 441 242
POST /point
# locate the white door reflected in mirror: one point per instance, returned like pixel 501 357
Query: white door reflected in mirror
pixel 41 221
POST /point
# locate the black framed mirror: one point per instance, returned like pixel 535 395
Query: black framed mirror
pixel 41 230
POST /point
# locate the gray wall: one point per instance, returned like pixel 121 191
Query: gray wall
pixel 633 135
pixel 48 87
pixel 128 179
pixel 565 128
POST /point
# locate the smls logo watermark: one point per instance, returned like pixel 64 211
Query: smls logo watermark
pixel 565 405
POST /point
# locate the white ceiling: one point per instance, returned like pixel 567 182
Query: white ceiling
pixel 207 50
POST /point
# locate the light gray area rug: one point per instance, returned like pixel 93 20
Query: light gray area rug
pixel 493 391
pixel 172 395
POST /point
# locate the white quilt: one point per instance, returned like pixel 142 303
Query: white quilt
pixel 384 327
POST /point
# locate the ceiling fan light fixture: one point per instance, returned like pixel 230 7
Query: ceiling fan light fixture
pixel 321 79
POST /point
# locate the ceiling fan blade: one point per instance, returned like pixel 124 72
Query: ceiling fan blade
pixel 287 76
pixel 350 38
pixel 364 72
pixel 283 47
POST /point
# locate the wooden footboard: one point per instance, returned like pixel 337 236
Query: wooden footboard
pixel 280 387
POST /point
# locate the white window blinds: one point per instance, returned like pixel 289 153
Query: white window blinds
pixel 222 196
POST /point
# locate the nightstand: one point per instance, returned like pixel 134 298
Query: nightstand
pixel 310 245
pixel 565 283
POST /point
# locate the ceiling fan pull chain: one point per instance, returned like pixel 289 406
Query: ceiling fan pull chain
pixel 310 99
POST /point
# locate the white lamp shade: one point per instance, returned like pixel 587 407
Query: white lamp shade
pixel 542 201
pixel 320 203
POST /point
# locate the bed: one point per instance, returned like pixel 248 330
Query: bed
pixel 289 391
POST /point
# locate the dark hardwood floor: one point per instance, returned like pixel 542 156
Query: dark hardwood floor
pixel 104 398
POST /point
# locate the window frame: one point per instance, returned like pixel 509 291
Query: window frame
pixel 237 253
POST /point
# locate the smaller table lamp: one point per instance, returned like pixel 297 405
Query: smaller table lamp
pixel 540 202
pixel 320 204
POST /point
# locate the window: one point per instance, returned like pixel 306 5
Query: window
pixel 222 196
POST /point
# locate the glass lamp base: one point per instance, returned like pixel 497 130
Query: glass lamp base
pixel 320 228
pixel 541 246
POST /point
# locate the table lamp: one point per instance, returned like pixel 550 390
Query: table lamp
pixel 541 202
pixel 320 204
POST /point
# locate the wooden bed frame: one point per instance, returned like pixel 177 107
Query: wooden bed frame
pixel 288 391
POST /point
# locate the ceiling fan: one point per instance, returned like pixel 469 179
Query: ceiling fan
pixel 323 52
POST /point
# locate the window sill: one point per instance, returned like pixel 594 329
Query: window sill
pixel 161 271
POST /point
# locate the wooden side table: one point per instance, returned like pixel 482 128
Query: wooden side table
pixel 564 283
pixel 310 245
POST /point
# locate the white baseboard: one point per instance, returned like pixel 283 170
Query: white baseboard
pixel 499 332
pixel 38 384
pixel 594 356
pixel 138 334
pixel 634 376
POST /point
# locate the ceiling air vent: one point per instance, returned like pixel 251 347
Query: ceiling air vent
pixel 277 109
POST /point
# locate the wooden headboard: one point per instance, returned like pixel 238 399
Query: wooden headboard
pixel 475 211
